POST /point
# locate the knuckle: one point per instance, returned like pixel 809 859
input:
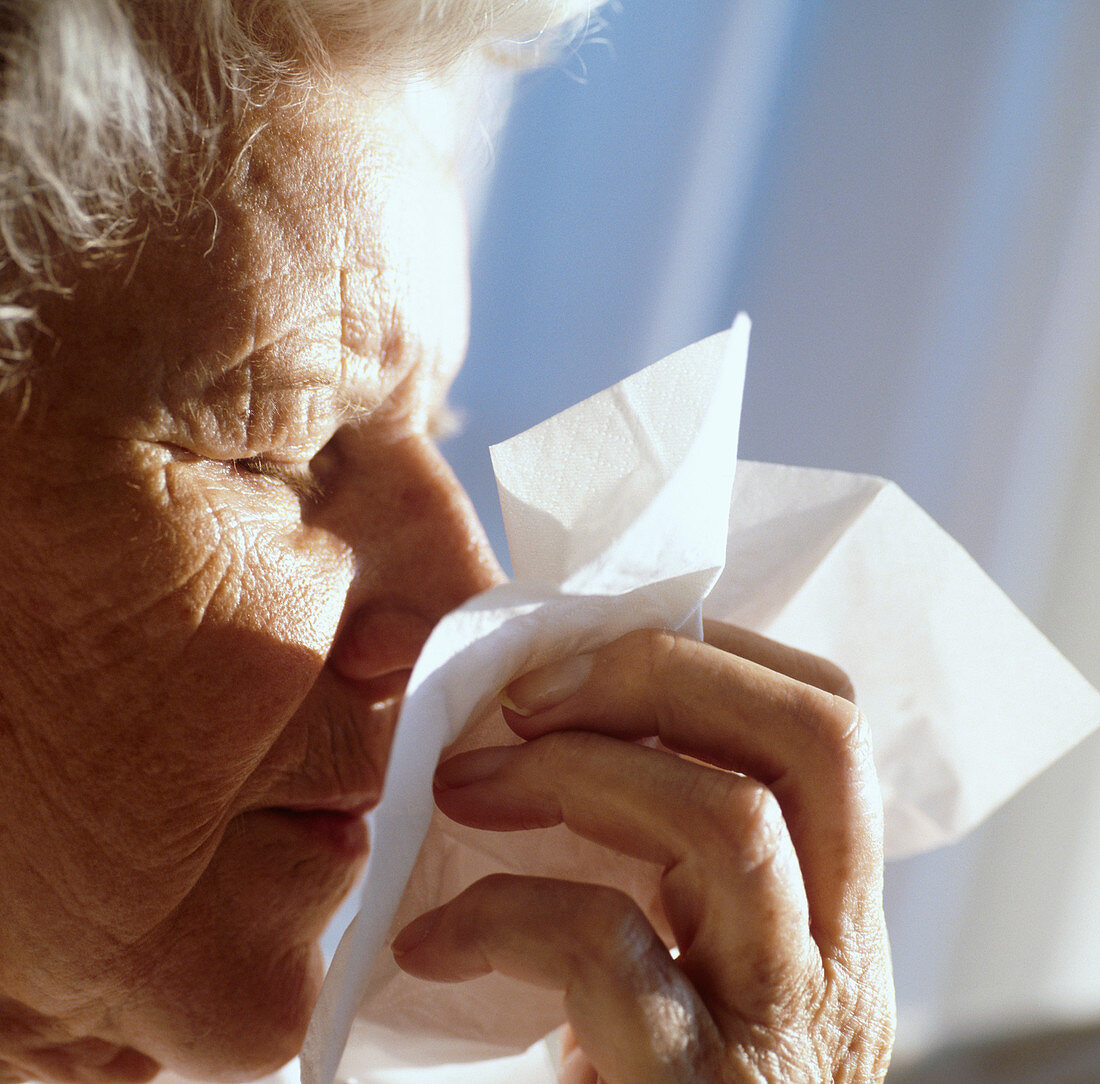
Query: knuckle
pixel 842 737
pixel 615 935
pixel 851 729
pixel 652 650
pixel 746 816
pixel 764 827
pixel 832 679
pixel 833 720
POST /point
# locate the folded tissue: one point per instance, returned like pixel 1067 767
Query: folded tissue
pixel 630 510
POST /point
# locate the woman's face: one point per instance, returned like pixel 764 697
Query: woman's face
pixel 226 532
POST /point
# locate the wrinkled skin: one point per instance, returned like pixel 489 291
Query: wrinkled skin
pixel 769 838
pixel 226 534
pixel 168 613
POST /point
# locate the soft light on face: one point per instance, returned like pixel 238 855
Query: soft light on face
pixel 226 533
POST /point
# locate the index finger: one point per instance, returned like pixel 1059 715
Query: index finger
pixel 782 658
pixel 810 747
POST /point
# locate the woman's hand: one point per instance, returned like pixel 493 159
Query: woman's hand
pixel 763 810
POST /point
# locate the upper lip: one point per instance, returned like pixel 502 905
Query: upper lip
pixel 354 805
pixel 356 788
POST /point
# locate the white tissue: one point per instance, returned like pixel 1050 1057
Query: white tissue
pixel 619 516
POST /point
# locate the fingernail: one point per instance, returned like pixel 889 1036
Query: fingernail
pixel 467 768
pixel 415 932
pixel 549 685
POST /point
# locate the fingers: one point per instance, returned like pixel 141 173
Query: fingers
pixel 761 806
pixel 575 1066
pixel 577 1069
pixel 782 658
pixel 808 746
pixel 633 1011
pixel 732 889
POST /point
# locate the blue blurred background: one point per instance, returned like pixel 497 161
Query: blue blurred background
pixel 905 197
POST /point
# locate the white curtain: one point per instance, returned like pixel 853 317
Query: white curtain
pixel 906 199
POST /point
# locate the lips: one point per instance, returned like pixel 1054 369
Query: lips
pixel 354 805
pixel 336 824
pixel 331 813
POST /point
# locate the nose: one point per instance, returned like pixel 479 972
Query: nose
pixel 420 551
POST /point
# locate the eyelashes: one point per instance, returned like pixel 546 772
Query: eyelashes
pixel 300 478
pixel 313 481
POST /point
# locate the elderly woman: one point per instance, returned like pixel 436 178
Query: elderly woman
pixel 234 296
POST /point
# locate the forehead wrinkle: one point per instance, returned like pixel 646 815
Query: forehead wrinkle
pixel 294 253
pixel 342 301
pixel 325 213
pixel 213 372
pixel 315 283
pixel 353 376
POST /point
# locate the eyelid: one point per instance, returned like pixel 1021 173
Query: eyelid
pixel 298 477
pixel 443 421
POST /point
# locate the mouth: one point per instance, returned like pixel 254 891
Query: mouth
pixel 337 825
pixel 352 805
pixel 333 818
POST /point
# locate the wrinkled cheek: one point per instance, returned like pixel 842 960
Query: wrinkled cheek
pixel 236 650
pixel 211 649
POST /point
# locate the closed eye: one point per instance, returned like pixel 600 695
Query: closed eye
pixel 298 477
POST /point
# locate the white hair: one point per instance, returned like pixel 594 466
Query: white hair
pixel 103 102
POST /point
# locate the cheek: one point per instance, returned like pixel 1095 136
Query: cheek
pixel 235 614
pixel 173 644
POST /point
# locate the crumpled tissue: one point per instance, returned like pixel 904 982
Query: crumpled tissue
pixel 630 510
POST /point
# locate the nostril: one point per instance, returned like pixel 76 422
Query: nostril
pixel 379 643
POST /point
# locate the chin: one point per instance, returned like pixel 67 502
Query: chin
pixel 233 978
pixel 251 1026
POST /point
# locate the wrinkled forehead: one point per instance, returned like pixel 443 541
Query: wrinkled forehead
pixel 336 231
pixel 341 204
